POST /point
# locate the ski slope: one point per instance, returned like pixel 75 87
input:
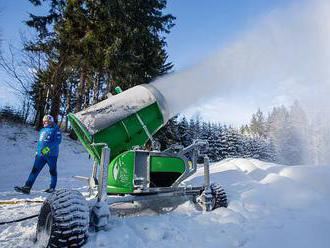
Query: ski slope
pixel 270 205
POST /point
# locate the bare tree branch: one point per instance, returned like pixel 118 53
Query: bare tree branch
pixel 11 68
pixel 21 66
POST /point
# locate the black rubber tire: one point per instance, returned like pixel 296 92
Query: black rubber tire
pixel 64 216
pixel 219 195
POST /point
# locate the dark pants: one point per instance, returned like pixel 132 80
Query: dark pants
pixel 39 163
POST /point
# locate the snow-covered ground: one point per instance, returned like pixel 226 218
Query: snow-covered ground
pixel 269 205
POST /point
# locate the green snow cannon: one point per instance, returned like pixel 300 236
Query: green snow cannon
pixel 122 121
pixel 114 132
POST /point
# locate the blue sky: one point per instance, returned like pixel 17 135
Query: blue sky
pixel 202 27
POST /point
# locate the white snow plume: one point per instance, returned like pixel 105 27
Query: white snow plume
pixel 283 57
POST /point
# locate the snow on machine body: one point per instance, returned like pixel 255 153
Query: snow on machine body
pixel 115 133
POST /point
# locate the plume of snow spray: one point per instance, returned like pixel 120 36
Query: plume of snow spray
pixel 286 55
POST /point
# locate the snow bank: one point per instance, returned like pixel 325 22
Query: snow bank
pixel 269 205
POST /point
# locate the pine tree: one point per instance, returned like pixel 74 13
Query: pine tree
pixel 204 133
pixel 298 142
pixel 269 151
pixel 258 124
pixel 183 134
pixel 245 130
pixel 214 143
pixel 168 135
pixel 223 138
pixel 278 131
pixel 191 132
pixel 246 144
pixel 91 46
pixel 233 143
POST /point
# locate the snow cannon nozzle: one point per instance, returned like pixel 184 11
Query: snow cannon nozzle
pixel 125 120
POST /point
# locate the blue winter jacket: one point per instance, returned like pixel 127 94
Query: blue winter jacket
pixel 50 137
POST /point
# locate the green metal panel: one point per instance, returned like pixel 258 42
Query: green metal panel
pixel 84 136
pixel 121 170
pixel 166 164
pixel 123 135
pixel 121 173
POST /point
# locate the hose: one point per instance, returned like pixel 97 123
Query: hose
pixel 19 202
pixel 18 220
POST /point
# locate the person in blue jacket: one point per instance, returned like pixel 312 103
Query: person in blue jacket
pixel 47 152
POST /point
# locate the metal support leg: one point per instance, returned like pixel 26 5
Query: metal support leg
pixel 103 177
pixel 94 172
pixel 207 198
pixel 100 211
pixel 92 181
pixel 206 171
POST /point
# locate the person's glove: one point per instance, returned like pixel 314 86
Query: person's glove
pixel 45 150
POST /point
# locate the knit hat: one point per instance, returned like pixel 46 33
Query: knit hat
pixel 48 118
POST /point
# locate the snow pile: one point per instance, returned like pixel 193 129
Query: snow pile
pixel 270 205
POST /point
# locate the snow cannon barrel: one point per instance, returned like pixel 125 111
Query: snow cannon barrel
pixel 122 121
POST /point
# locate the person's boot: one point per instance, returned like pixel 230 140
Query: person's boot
pixel 50 190
pixel 23 189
